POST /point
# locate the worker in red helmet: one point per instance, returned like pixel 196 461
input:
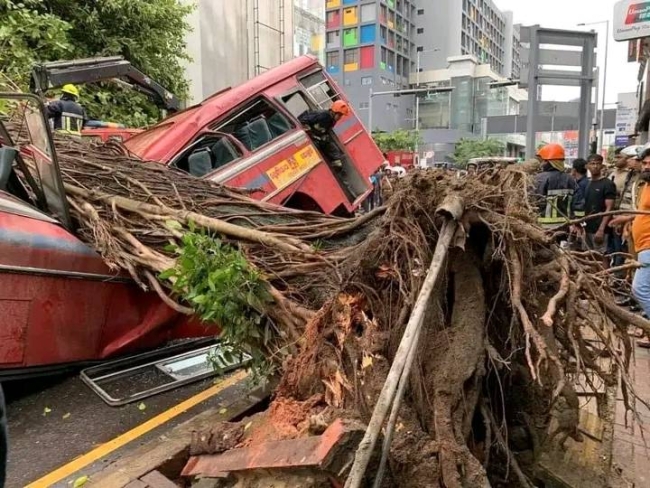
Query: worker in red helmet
pixel 556 188
pixel 319 124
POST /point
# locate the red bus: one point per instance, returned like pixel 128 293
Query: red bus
pixel 249 137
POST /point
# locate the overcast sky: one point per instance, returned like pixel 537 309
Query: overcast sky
pixel 565 14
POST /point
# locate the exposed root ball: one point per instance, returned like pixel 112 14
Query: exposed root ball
pixel 512 323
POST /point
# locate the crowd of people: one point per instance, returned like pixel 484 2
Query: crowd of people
pixel 602 206
pixel 382 186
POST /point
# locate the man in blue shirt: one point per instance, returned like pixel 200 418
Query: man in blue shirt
pixel 579 173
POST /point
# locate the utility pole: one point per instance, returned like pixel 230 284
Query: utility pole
pixel 601 131
pixel 417 98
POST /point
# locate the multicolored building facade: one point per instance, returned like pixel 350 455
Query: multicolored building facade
pixel 368 45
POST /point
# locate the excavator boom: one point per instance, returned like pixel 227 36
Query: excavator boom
pixel 47 76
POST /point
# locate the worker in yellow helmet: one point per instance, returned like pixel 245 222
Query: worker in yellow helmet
pixel 555 188
pixel 66 113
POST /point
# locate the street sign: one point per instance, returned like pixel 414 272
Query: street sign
pixel 631 19
pixel 621 141
pixel 626 118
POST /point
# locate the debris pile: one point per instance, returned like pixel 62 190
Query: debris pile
pixel 507 334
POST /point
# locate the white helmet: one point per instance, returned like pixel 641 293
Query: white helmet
pixel 644 150
pixel 633 151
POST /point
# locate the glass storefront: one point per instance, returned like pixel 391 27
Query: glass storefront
pixel 467 106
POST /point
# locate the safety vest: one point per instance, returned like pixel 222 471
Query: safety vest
pixel 67 116
pixel 558 208
pixel 71 123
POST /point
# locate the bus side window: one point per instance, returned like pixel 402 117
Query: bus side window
pixel 256 125
pixel 207 154
pixel 320 90
pixel 296 104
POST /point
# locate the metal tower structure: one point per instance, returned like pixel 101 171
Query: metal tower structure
pixel 534 75
pixel 279 30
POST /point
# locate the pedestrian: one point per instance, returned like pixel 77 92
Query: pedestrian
pixel 641 235
pixel 621 225
pixel 374 198
pixel 66 113
pixel 600 198
pixel 579 173
pixel 554 188
pixel 624 176
pixel 319 124
pixel 619 174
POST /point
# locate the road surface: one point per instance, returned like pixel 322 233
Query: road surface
pixel 53 421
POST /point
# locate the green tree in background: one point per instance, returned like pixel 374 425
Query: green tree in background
pixel 399 140
pixel 467 149
pixel 148 33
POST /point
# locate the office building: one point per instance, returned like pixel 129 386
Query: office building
pixel 248 37
pixel 476 93
pixel 369 46
pixel 449 28
pixel 378 45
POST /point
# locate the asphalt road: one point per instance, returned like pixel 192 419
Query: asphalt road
pixel 55 420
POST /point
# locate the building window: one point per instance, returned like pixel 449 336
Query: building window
pixel 364 105
pixel 333 61
pixel 347 82
pixel 333 39
pixel 420 30
pixel 351 56
pixel 350 37
pixel 333 19
pixel 350 16
pixel 368 33
pixel 420 11
pixel 419 49
pixel 366 80
pixel 368 12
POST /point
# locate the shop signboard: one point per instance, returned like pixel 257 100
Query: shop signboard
pixel 631 19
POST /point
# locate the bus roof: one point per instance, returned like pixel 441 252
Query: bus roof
pixel 162 141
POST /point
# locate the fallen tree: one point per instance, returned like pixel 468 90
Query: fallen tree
pixel 505 332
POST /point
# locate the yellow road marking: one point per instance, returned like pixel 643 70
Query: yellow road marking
pixel 121 440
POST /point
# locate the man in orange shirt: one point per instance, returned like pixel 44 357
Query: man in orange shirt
pixel 641 238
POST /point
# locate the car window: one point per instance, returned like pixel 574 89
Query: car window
pixel 208 154
pixel 256 125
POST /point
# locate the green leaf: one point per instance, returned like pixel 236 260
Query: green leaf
pixel 65 416
pixel 46 410
pixel 168 273
pixel 79 482
pixel 173 225
pixel 142 407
